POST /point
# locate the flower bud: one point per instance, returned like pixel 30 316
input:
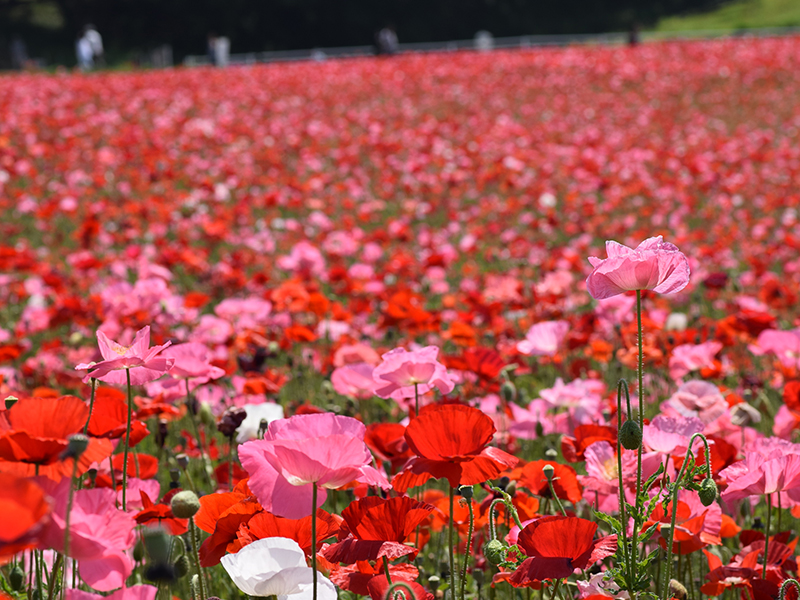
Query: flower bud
pixel 185 504
pixel 158 545
pixel 630 435
pixel 508 391
pixel 181 566
pixel 551 454
pixel 466 491
pixel 433 582
pixel 549 470
pixel 494 551
pixel 11 401
pixel 138 551
pixel 479 576
pixel 511 488
pixel 708 492
pixel 677 589
pixel 16 578
pixel 206 416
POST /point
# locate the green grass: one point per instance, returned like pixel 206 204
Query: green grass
pixel 736 15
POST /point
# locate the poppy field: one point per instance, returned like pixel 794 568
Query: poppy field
pixel 470 325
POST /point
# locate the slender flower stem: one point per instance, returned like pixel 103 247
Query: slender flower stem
pixel 676 488
pixel 127 445
pixel 314 537
pixel 91 406
pixel 196 556
pixel 386 570
pixel 785 588
pixel 230 462
pixel 394 591
pixel 469 544
pixel 640 374
pixel 555 496
pixel 416 400
pixel 70 498
pixel 766 534
pixel 196 427
pixel 621 489
pixel 451 543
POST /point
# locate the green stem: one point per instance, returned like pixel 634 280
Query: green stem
pixel 469 544
pixel 785 588
pixel 91 406
pixel 451 543
pixel 196 427
pixel 555 496
pixel 623 520
pixel 196 556
pixel 230 462
pixel 766 534
pixel 394 588
pixel 386 570
pixel 70 498
pixel 640 374
pixel 52 585
pixel 416 400
pixel 314 537
pixel 673 521
pixel 127 445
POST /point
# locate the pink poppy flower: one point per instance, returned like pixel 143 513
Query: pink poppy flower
pixel 770 465
pixel 192 361
pixel 142 361
pixel 670 435
pixel 696 398
pixel 400 371
pixel 355 353
pixel 136 592
pixel 653 265
pixel 544 339
pixel 354 380
pixel 99 535
pixel 296 454
pixel 783 344
pixel 692 357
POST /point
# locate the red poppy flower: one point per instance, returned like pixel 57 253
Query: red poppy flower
pixel 265 524
pixel 355 578
pixel 161 514
pixel 584 436
pixel 375 528
pixel 110 417
pixel 450 442
pixel 387 442
pixel 565 480
pixel 378 587
pixel 556 546
pixel 23 509
pixel 33 433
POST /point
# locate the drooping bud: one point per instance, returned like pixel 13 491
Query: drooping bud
pixel 494 551
pixel 508 391
pixel 677 589
pixel 630 435
pixel 185 504
pixel 708 492
pixel 181 566
pixel 16 578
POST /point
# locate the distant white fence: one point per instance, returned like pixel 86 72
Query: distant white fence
pixel 480 43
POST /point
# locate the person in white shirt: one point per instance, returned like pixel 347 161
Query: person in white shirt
pixel 96 42
pixel 83 51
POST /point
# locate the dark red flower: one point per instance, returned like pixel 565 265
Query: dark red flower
pixel 556 546
pixel 387 442
pixel 375 528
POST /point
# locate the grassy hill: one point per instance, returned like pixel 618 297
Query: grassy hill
pixel 738 14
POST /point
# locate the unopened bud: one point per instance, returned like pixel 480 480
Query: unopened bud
pixel 157 543
pixel 511 488
pixel 11 401
pixel 677 589
pixel 206 416
pixel 181 566
pixel 708 492
pixel 262 428
pixel 434 582
pixel 630 435
pixel 16 578
pixel 494 551
pixel 466 491
pixel 508 391
pixel 479 576
pixel 185 504
pixel 548 470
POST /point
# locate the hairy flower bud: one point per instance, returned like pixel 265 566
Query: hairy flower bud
pixel 494 551
pixel 708 492
pixel 185 504
pixel 508 391
pixel 630 435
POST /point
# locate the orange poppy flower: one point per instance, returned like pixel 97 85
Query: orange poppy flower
pixel 161 514
pixel 33 436
pixel 584 436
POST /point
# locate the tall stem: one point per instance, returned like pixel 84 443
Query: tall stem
pixel 466 555
pixel 766 534
pixel 416 400
pixel 314 537
pixel 66 521
pixel 196 427
pixel 91 406
pixel 196 555
pixel 451 543
pixel 640 374
pixel 127 444
pixel 622 519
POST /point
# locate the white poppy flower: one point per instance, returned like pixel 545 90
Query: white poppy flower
pixel 276 566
